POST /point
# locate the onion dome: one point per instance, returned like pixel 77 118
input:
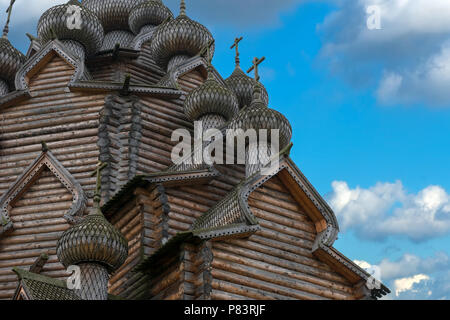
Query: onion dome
pixel 243 86
pixel 11 60
pixel 180 36
pixel 149 13
pixel 113 14
pixel 211 98
pixel 94 240
pixel 258 116
pixel 54 23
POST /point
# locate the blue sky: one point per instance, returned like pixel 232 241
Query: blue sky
pixel 370 111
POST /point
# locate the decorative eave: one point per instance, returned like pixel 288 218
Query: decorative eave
pixel 34 47
pixel 171 78
pixel 40 58
pixel 232 216
pixel 24 181
pixel 163 178
pixel 101 86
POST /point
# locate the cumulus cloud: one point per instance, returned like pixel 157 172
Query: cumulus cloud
pixel 412 277
pixel 407 60
pixel 405 284
pixel 387 209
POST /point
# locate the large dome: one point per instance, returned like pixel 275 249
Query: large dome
pixel 243 86
pixel 10 61
pixel 54 23
pixel 180 36
pixel 151 12
pixel 258 116
pixel 113 14
pixel 93 240
pixel 211 98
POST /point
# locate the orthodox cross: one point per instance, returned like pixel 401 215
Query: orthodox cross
pixel 236 45
pixel 8 11
pixel 256 62
pixel 97 172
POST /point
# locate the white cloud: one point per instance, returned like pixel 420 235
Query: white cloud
pixel 408 60
pixel 406 284
pixel 26 10
pixel 412 277
pixel 387 209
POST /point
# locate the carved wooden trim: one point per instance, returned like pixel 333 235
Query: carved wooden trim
pixel 39 58
pixel 23 182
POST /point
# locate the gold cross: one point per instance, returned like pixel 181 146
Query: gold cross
pixel 97 172
pixel 236 45
pixel 256 62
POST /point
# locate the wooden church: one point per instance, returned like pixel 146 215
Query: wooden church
pixel 87 177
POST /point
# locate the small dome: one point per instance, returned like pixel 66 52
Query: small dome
pixel 11 60
pixel 151 12
pixel 258 116
pixel 211 98
pixel 54 22
pixel 93 240
pixel 113 14
pixel 180 36
pixel 243 86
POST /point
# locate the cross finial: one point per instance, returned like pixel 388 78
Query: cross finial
pixel 97 172
pixel 236 45
pixel 256 62
pixel 182 8
pixel 8 11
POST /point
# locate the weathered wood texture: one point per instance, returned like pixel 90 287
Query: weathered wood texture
pixel 68 123
pixel 191 80
pixel 190 202
pixel 140 222
pixel 275 263
pixel 38 221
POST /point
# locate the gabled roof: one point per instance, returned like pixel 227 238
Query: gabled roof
pixel 24 181
pixel 39 287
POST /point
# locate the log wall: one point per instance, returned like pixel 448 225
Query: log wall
pixel 68 123
pixel 275 263
pixel 38 224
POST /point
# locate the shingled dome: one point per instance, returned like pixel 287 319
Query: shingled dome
pixel 93 240
pixel 149 13
pixel 113 14
pixel 54 23
pixel 211 98
pixel 10 61
pixel 179 37
pixel 243 86
pixel 258 116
